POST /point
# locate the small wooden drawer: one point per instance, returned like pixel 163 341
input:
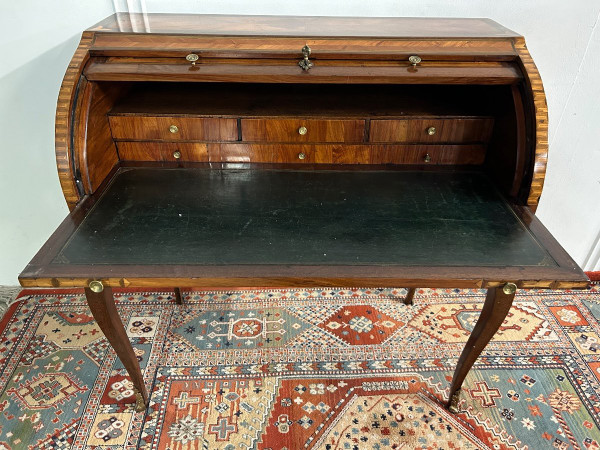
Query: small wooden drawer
pixel 269 153
pixel 173 128
pixel 302 130
pixel 162 151
pixel 428 154
pixel 348 154
pixel 431 130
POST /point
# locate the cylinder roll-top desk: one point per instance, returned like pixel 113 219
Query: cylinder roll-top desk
pixel 270 151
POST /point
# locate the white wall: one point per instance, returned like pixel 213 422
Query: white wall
pixel 37 39
pixel 570 205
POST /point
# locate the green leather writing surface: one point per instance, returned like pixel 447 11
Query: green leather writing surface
pixel 322 217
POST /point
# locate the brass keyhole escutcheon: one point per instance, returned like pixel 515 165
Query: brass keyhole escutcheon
pixel 301 155
pixel 176 154
pixel 173 129
pixel 414 60
pixel 509 288
pixel 302 131
pixel 305 63
pixel 431 131
pixel 96 286
pixel 427 158
pixel 192 57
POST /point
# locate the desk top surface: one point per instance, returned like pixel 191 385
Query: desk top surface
pixel 303 26
pixel 264 226
pixel 287 217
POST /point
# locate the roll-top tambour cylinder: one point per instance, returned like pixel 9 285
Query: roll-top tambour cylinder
pixel 505 134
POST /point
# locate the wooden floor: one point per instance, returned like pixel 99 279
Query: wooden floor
pixel 261 216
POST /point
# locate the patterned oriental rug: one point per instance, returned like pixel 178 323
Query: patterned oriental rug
pixel 292 369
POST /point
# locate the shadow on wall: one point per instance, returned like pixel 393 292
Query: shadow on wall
pixel 31 201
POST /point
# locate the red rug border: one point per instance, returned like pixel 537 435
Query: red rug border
pixel 8 315
pixel 594 277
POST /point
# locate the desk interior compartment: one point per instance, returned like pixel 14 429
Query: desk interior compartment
pixel 317 125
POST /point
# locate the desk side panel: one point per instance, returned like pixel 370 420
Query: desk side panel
pixel 95 149
pixel 537 99
pixel 65 107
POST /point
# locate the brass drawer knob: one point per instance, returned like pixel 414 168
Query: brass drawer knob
pixel 414 60
pixel 431 131
pixel 301 155
pixel 176 154
pixel 192 57
pixel 427 158
pixel 302 131
pixel 173 129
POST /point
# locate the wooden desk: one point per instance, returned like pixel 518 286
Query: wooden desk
pixel 223 159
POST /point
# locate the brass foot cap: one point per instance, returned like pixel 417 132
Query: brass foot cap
pixel 140 406
pixel 453 403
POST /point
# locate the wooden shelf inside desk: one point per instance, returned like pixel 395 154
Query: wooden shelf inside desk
pixel 308 100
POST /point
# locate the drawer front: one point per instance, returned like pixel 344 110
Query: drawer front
pixel 302 130
pixel 162 151
pixel 173 128
pixel 348 154
pixel 431 130
pixel 269 153
pixel 428 154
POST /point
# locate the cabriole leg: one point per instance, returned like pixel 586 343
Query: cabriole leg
pixel 497 304
pixel 178 298
pixel 101 302
pixel 408 300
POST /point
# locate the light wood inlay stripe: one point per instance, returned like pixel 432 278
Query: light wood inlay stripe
pixel 541 122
